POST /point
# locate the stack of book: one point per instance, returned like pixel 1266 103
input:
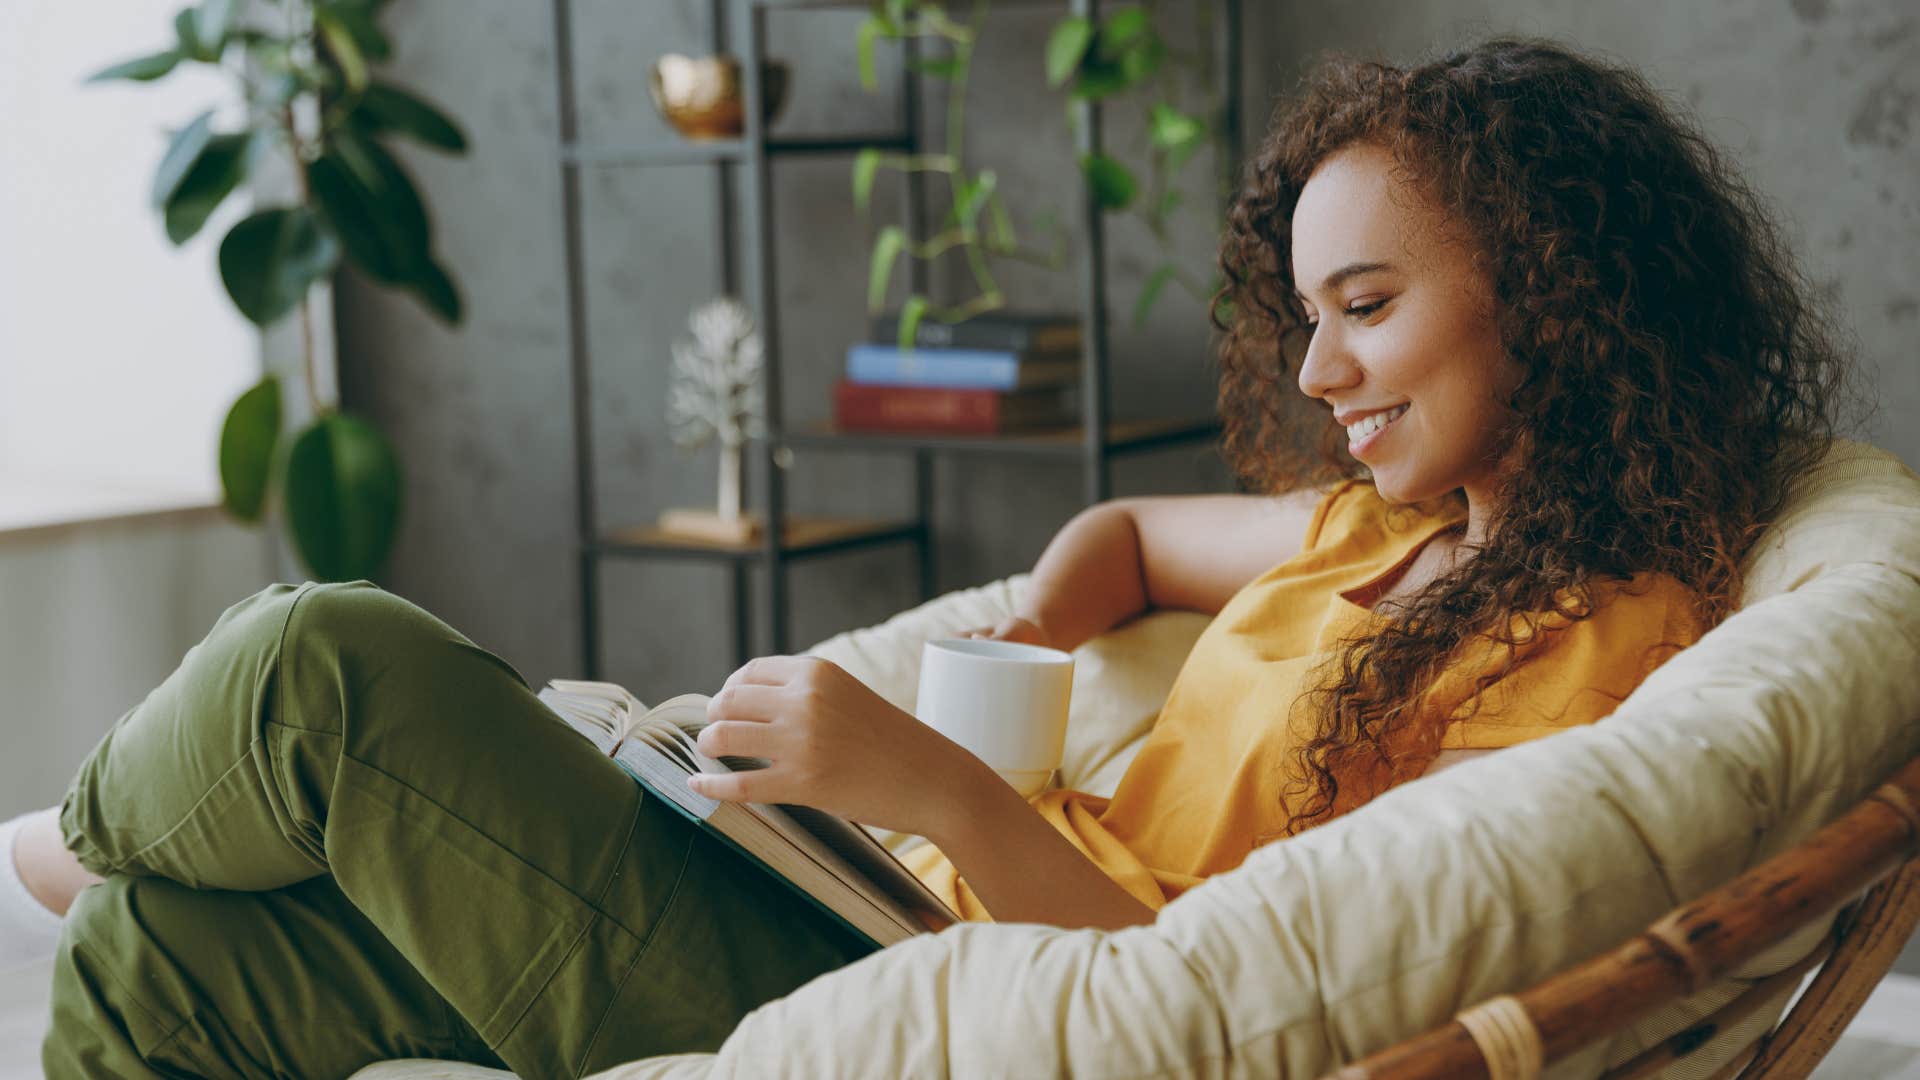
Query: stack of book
pixel 995 373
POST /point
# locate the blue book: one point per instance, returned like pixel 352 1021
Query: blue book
pixel 955 369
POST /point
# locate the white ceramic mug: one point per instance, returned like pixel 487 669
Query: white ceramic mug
pixel 1004 701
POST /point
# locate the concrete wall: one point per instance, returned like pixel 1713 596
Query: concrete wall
pixel 97 615
pixel 481 415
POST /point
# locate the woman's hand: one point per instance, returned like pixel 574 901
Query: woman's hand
pixel 1012 628
pixel 833 744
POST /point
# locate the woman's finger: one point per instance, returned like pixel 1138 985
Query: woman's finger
pixel 747 701
pixel 767 670
pixel 732 787
pixel 737 738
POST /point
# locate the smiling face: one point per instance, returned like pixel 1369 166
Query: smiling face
pixel 1404 344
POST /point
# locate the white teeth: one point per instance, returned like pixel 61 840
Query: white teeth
pixel 1362 428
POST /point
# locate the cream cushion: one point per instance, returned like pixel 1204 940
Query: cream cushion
pixel 1478 880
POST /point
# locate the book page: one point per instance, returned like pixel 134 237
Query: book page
pixel 597 720
pixel 613 693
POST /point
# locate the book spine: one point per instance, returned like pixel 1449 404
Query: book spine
pixel 955 369
pixel 913 408
pixel 983 333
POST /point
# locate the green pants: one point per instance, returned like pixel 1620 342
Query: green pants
pixel 341 832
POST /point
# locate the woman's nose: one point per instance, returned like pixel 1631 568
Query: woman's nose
pixel 1327 366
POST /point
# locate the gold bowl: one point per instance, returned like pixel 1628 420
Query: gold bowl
pixel 701 96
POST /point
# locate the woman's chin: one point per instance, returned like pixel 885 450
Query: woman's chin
pixel 1396 487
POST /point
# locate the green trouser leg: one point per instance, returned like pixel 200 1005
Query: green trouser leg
pixel 340 813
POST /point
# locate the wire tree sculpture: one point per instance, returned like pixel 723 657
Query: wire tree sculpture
pixel 716 391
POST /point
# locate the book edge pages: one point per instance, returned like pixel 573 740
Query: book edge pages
pixel 590 724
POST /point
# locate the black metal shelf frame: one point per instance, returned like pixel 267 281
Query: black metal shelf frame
pixel 748 158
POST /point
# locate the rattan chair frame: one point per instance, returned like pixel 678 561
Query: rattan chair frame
pixel 1871 850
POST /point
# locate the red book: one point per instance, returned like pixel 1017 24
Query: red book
pixel 871 407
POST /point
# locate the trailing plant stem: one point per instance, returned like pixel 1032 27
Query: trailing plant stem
pixel 306 300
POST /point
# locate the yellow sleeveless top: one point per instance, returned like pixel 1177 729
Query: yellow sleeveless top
pixel 1213 779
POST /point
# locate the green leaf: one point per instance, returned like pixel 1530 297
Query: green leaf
pixel 373 241
pixel 1182 155
pixel 342 494
pixel 1001 230
pixel 187 145
pixel 344 50
pixel 194 44
pixel 1171 129
pixel 972 195
pixel 1140 61
pixel 898 10
pixel 1112 184
pixel 1066 46
pixel 887 247
pixel 911 312
pixel 214 20
pixel 358 19
pixel 394 198
pixel 865 164
pixel 1099 78
pixel 385 107
pixel 1125 27
pixel 140 68
pixel 436 290
pixel 214 174
pixel 1150 292
pixel 368 200
pixel 272 258
pixel 870 31
pixel 246 449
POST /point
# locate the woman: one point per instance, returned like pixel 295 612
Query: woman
pixel 1559 335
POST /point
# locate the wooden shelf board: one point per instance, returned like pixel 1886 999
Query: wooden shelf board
pixel 801 535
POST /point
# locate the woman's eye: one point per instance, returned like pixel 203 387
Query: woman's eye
pixel 1363 310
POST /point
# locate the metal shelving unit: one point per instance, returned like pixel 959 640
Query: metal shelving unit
pixel 747 161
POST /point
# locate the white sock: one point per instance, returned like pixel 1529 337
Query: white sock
pixel 28 930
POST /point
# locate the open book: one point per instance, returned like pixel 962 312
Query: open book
pixel 831 861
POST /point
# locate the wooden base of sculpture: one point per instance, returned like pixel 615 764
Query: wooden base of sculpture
pixel 709 525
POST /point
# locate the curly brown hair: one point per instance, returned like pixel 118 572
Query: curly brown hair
pixel 1679 370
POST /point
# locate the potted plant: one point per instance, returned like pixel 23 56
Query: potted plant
pixel 1089 60
pixel 310 98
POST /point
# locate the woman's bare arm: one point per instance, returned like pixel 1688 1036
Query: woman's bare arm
pixel 1020 867
pixel 1118 559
